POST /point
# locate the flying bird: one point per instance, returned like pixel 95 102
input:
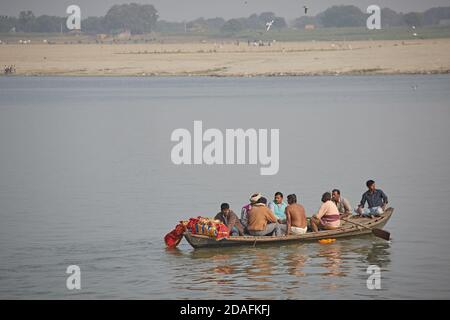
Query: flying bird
pixel 306 9
pixel 268 25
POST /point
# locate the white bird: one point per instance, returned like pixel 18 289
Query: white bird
pixel 415 34
pixel 268 25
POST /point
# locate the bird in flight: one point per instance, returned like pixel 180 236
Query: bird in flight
pixel 268 25
pixel 306 9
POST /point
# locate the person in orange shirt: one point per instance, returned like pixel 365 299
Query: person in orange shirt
pixel 328 216
pixel 262 221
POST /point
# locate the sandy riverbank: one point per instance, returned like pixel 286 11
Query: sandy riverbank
pixel 217 59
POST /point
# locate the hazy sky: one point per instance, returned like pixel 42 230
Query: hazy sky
pixel 179 10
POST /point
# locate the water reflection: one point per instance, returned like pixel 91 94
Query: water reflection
pixel 379 254
pixel 295 262
pixel 372 251
pixel 262 266
pixel 333 259
pixel 288 272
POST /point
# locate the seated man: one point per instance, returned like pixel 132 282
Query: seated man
pixel 295 217
pixel 230 219
pixel 376 200
pixel 277 206
pixel 246 209
pixel 262 222
pixel 328 216
pixel 341 203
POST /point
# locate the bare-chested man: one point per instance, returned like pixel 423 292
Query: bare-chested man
pixel 295 217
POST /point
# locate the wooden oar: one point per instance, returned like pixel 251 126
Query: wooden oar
pixel 377 232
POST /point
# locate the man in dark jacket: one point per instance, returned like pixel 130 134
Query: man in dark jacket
pixel 230 219
pixel 376 201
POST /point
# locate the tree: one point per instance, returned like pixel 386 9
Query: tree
pixel 26 21
pixel 232 26
pixel 390 18
pixel 134 17
pixel 301 22
pixel 254 22
pixel 434 15
pixel 7 23
pixel 215 23
pixel 166 26
pixel 413 19
pixel 47 23
pixel 342 16
pixel 279 23
pixel 94 25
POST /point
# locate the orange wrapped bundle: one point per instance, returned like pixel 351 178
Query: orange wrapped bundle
pixel 208 227
pixel 200 225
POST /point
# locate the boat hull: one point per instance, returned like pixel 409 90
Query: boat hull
pixel 346 230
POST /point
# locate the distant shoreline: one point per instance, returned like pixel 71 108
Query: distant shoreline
pixel 280 59
pixel 275 75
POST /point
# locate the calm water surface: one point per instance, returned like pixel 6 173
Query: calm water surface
pixel 86 178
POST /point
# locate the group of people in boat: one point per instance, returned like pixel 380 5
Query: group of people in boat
pixel 278 218
pixel 9 69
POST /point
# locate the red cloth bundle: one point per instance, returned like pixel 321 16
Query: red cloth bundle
pixel 173 238
pixel 208 227
pixel 204 226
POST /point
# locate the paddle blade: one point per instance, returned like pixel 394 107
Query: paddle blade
pixel 382 234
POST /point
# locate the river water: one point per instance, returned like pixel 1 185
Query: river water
pixel 86 179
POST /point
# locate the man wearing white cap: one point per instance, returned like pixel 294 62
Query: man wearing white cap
pixel 246 209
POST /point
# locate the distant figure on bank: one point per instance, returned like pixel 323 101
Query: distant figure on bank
pixel 230 219
pixel 261 221
pixel 246 209
pixel 328 216
pixel 278 206
pixel 341 203
pixel 295 217
pixel 376 200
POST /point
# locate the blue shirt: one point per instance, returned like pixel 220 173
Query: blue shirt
pixel 374 199
pixel 278 209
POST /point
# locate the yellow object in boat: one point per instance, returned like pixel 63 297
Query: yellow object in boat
pixel 326 241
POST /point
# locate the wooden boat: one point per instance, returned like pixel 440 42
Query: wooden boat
pixel 346 230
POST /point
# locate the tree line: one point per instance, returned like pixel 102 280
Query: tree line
pixel 143 18
pixel 351 16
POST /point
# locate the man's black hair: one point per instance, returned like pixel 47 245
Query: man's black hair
pixel 337 191
pixel 369 183
pixel 279 194
pixel 292 198
pixel 326 197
